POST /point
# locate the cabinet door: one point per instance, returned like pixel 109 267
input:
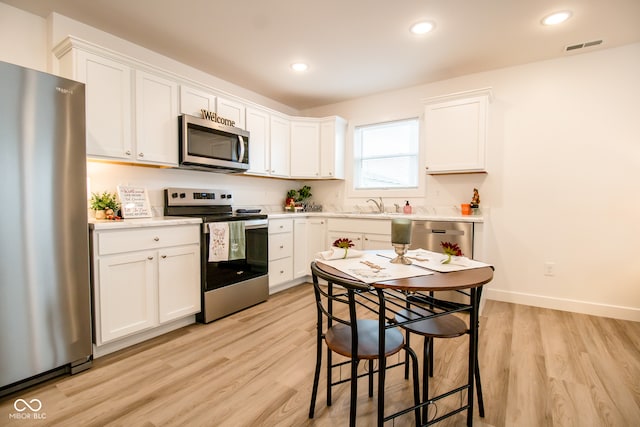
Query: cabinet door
pixel 300 256
pixel 455 134
pixel 280 271
pixel 178 282
pixel 280 143
pixel 316 240
pixel 332 140
pixel 305 149
pixel 231 110
pixel 356 238
pixel 258 127
pixel 156 119
pixel 126 298
pixel 192 101
pixel 108 105
pixel 376 241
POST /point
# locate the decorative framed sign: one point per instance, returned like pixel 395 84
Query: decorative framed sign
pixel 134 202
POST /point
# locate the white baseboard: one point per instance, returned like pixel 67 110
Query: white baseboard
pixel 584 307
pixel 103 350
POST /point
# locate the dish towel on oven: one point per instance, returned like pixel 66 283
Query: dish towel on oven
pixel 218 241
pixel 226 241
pixel 236 240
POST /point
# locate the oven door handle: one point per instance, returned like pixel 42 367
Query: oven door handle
pixel 252 224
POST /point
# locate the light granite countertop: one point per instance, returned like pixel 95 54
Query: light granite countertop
pixel 159 221
pixel 358 215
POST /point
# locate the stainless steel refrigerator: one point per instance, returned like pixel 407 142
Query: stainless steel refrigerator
pixel 45 304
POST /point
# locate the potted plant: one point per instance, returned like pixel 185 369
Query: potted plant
pixel 291 198
pixel 303 194
pixel 104 204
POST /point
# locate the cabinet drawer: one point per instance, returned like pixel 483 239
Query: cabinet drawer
pixel 118 241
pixel 378 226
pixel 280 246
pixel 280 225
pixel 280 271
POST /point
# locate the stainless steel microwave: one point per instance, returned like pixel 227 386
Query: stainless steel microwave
pixel 207 145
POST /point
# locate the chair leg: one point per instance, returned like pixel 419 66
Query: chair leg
pixel 416 385
pixel 431 357
pixel 479 390
pixel 426 367
pixel 329 367
pixel 316 378
pixel 371 369
pixel 354 392
pixel 406 357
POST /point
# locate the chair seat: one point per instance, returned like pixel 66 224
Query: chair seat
pixel 447 326
pixel 338 339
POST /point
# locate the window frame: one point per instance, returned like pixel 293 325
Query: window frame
pixel 406 192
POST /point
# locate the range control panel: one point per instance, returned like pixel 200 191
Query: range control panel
pixel 197 197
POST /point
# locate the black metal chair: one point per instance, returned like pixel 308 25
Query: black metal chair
pixel 445 326
pixel 352 336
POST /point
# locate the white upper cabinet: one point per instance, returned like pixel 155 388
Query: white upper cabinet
pixel 305 149
pixel 280 140
pixel 193 101
pixel 232 110
pixel 456 132
pixel 131 114
pixel 332 145
pixel 108 97
pixel 156 119
pixel 257 123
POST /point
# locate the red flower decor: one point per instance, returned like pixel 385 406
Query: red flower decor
pixel 343 243
pixel 451 248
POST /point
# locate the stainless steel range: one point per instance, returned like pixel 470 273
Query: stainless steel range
pixel 233 247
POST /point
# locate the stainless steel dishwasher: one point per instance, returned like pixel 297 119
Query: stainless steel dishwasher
pixel 429 235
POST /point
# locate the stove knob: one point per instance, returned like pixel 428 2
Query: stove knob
pixel 223 196
pixel 183 195
pixel 228 196
pixel 174 195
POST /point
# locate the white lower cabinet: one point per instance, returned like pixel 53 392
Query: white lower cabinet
pixel 365 234
pixel 280 251
pixel 309 238
pixel 143 278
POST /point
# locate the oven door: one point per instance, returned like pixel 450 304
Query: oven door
pixel 225 273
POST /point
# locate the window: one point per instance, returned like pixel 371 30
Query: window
pixel 386 155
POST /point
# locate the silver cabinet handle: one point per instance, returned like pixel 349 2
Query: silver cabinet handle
pixel 281 271
pixel 149 258
pixel 281 246
pixel 163 256
pixel 156 238
pixel 141 155
pixel 128 152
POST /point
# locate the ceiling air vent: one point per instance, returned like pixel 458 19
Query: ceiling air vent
pixel 581 45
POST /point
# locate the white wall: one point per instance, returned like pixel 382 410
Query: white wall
pixel 562 186
pixel 23 38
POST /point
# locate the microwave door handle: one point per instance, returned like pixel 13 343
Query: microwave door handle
pixel 241 156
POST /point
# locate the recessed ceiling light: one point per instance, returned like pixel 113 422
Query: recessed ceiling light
pixel 299 66
pixel 421 27
pixel 556 18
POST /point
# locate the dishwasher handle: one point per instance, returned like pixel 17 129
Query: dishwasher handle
pixel 445 232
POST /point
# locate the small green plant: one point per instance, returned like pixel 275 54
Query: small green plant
pixel 104 201
pixel 303 194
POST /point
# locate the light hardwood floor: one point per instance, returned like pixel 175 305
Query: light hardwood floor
pixel 539 367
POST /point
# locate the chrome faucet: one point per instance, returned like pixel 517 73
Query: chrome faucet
pixel 380 205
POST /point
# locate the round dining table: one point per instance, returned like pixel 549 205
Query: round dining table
pixel 420 290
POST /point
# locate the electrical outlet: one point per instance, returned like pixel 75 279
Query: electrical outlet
pixel 549 268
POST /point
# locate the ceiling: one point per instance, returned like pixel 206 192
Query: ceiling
pixel 354 48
